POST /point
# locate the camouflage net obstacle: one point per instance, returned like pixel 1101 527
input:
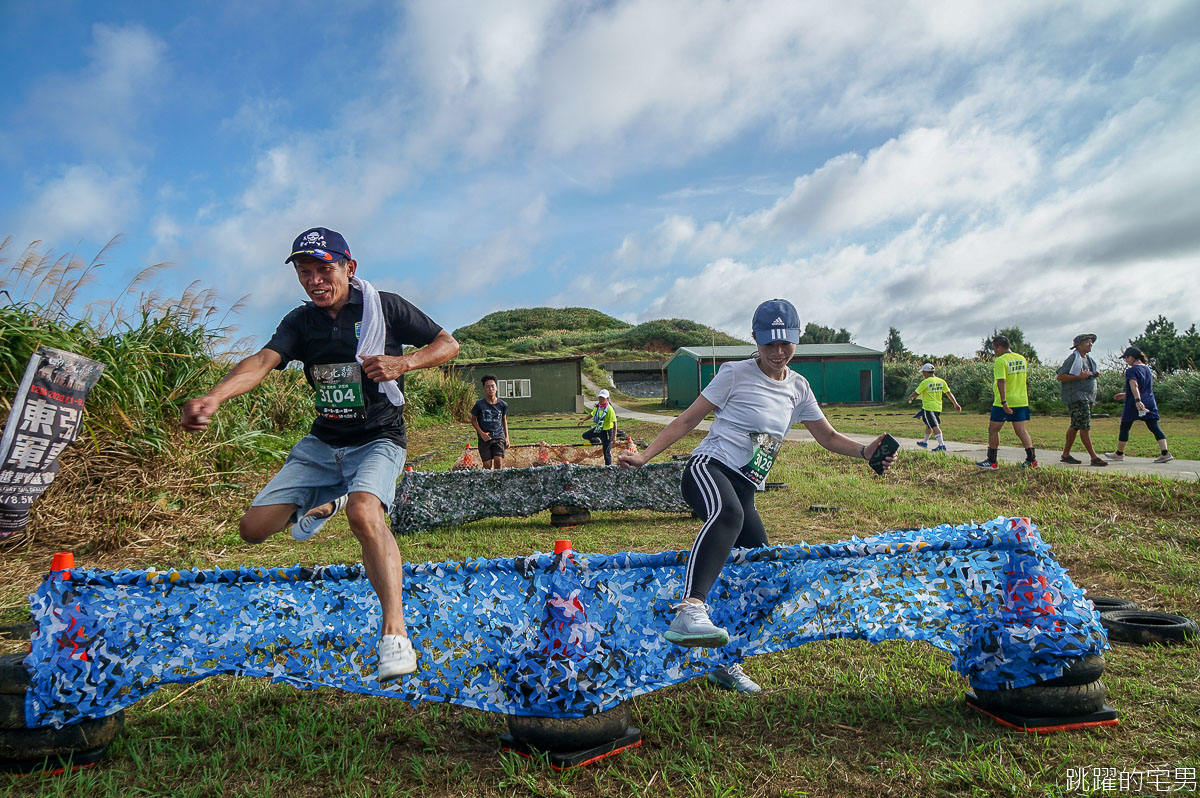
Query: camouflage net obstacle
pixel 428 499
pixel 563 635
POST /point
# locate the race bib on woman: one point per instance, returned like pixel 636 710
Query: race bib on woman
pixel 766 448
pixel 339 391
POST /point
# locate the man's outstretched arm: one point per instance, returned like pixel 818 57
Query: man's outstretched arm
pixel 242 378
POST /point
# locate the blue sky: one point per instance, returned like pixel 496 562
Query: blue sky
pixel 941 167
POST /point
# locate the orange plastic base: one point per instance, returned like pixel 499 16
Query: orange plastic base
pixel 575 759
pixel 1105 717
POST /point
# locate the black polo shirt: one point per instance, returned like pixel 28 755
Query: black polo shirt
pixel 351 410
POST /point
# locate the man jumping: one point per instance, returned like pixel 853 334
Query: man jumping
pixel 351 340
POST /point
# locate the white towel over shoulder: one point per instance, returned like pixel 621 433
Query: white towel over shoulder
pixel 373 334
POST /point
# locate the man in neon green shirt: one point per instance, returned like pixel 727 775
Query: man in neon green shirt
pixel 931 390
pixel 1010 402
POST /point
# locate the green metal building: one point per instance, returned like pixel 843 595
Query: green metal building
pixel 842 373
pixel 547 385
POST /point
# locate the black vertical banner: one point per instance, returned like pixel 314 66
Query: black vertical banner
pixel 47 414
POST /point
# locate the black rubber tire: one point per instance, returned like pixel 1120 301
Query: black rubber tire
pixel 1041 701
pixel 570 734
pixel 72 759
pixel 570 519
pixel 14 679
pixel 1081 671
pixel 1145 628
pixel 18 631
pixel 12 711
pixel 1105 604
pixel 44 741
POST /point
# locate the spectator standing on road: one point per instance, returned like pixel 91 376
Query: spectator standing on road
pixel 1078 377
pixel 754 403
pixel 931 390
pixel 351 340
pixel 1010 403
pixel 603 425
pixel 1140 405
pixel 489 417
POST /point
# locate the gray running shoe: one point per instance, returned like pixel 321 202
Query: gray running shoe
pixel 1118 456
pixel 693 628
pixel 1164 458
pixel 734 678
pixel 310 525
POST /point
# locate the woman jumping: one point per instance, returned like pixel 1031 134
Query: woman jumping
pixel 754 403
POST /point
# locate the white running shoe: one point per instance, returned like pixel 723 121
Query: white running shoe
pixel 396 657
pixel 734 678
pixel 310 525
pixel 693 628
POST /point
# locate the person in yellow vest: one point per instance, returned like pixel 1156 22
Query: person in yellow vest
pixel 1010 403
pixel 603 425
pixel 931 391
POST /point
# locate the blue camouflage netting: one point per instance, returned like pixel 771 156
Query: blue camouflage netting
pixel 557 635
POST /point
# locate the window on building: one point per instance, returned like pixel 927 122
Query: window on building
pixel 513 389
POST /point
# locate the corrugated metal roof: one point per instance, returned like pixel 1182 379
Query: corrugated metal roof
pixel 802 351
pixel 633 365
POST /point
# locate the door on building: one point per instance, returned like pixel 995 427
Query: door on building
pixel 864 386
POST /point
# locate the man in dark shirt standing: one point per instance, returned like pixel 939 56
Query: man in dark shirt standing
pixel 351 340
pixel 489 417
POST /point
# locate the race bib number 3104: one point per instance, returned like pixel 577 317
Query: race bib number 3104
pixel 766 448
pixel 339 391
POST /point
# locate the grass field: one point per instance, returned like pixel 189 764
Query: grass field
pixel 841 718
pixel 1048 432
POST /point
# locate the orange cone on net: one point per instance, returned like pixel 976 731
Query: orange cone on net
pixel 60 568
pixel 466 461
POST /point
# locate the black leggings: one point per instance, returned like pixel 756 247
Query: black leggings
pixel 724 500
pixel 1151 424
pixel 602 438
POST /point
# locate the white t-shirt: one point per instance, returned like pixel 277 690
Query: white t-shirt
pixel 748 403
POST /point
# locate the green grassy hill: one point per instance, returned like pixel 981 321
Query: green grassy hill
pixel 562 332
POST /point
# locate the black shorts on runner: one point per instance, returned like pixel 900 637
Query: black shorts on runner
pixel 931 418
pixel 490 450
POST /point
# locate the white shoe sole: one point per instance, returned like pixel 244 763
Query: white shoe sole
pixel 383 678
pixel 697 641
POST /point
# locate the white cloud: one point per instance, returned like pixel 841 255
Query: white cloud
pixel 98 109
pixel 83 201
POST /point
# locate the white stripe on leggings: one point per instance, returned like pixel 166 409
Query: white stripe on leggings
pixel 712 503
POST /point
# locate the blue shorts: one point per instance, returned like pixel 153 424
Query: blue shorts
pixel 316 473
pixel 1018 414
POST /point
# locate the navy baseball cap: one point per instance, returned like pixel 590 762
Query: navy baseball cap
pixel 320 243
pixel 776 320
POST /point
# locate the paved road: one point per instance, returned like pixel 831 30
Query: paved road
pixel 1176 469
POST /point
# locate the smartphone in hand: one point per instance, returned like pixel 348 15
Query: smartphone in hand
pixel 887 447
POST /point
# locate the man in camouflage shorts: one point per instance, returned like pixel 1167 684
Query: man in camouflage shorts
pixel 1077 381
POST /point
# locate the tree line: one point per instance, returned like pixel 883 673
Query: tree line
pixel 1168 349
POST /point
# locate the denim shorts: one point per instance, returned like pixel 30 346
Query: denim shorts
pixel 316 473
pixel 1018 414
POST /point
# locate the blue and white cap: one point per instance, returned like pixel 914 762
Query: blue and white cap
pixel 776 320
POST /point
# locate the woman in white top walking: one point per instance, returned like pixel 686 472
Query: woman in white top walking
pixel 754 403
